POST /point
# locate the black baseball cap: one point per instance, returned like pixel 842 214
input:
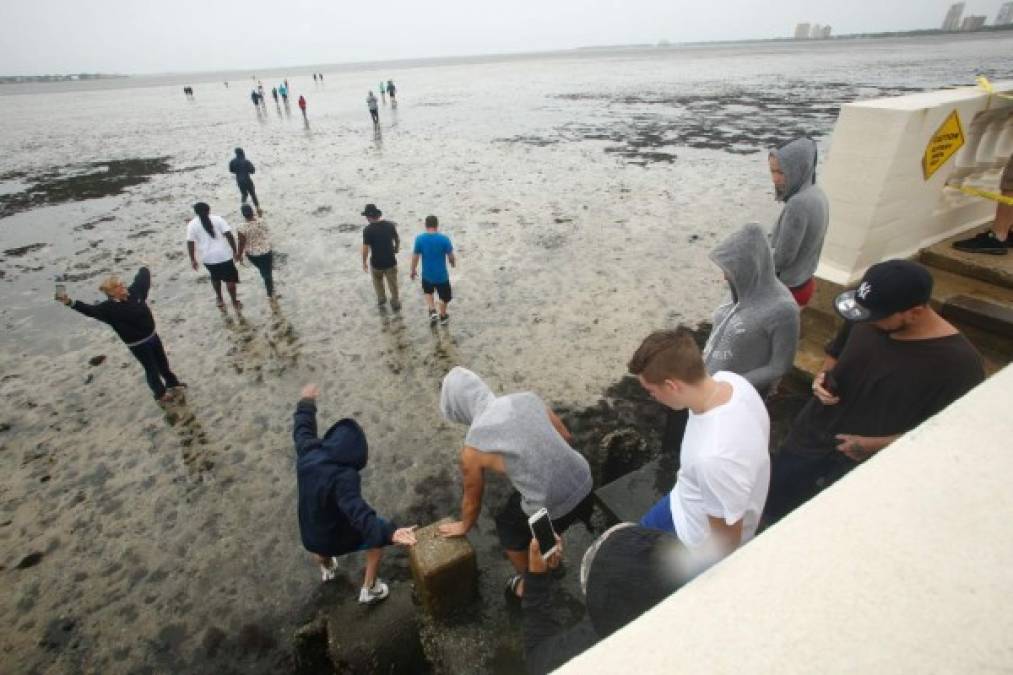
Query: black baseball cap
pixel 371 210
pixel 886 288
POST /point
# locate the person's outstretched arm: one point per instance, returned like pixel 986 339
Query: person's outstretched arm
pixel 304 421
pixel 471 501
pixel 141 285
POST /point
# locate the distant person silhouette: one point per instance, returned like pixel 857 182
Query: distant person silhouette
pixel 373 109
pixel 243 168
pixel 390 92
pixel 302 105
pixel 383 92
pixel 274 93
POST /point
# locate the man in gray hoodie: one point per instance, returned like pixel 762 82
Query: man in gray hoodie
pixel 518 436
pixel 756 333
pixel 797 239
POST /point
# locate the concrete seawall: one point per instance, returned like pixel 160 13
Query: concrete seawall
pixel 904 566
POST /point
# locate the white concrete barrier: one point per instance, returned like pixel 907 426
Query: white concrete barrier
pixel 882 204
pixel 903 566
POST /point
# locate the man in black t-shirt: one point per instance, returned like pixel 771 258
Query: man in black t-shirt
pixel 893 365
pixel 380 245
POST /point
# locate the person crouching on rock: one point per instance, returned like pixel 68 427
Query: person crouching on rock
pixel 334 519
pixel 126 310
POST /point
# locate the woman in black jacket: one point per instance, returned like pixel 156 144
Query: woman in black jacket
pixel 334 519
pixel 126 310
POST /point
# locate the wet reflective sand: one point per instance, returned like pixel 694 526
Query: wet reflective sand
pixel 582 192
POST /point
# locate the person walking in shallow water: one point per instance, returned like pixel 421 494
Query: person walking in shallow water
pixel 380 245
pixel 374 111
pixel 435 251
pixel 391 92
pixel 243 168
pixel 383 92
pixel 126 310
pixel 254 241
pixel 302 105
pixel 212 237
pixel 334 519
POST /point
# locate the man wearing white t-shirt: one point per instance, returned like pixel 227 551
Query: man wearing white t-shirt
pixel 724 470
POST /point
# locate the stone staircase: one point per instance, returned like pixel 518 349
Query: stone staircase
pixel 972 291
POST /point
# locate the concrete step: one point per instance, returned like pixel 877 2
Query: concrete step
pixel 992 269
pixel 627 499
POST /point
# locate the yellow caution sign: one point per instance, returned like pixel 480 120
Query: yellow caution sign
pixel 949 138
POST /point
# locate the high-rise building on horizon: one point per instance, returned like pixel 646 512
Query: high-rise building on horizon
pixel 826 33
pixel 952 20
pixel 802 31
pixel 972 22
pixel 1005 14
pixel 815 32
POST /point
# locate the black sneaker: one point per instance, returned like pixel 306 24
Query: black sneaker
pixel 444 319
pixel 983 242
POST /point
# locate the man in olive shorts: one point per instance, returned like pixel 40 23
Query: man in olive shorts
pixel 996 239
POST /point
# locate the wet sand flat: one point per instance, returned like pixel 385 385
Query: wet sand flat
pixel 582 192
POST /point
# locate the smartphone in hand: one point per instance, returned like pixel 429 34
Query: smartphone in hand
pixel 541 529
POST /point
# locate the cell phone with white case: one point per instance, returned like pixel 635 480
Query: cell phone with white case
pixel 541 529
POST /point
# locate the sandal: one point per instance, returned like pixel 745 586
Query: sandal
pixel 511 587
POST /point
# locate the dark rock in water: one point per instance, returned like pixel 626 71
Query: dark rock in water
pixel 97 360
pixel 253 638
pixel 58 633
pixel 23 250
pixel 381 638
pixel 309 647
pixel 623 450
pixel 30 560
pixel 444 570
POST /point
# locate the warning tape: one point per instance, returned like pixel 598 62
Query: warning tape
pixel 987 86
pixel 985 194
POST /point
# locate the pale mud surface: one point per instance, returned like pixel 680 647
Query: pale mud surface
pixel 583 193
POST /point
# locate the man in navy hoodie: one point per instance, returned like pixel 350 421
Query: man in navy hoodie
pixel 334 519
pixel 126 310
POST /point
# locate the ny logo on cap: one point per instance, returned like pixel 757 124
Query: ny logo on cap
pixel 864 289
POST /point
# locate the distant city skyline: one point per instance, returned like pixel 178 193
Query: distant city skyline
pixel 140 36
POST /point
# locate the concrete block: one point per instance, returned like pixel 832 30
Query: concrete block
pixel 381 638
pixel 444 570
pixel 628 498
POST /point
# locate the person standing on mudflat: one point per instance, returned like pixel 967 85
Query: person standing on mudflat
pixel 302 105
pixel 391 91
pixel 255 242
pixel 798 236
pixel 243 168
pixel 435 251
pixel 126 310
pixel 380 245
pixel 212 237
pixel 374 111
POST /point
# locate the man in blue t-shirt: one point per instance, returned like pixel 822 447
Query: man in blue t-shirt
pixel 435 250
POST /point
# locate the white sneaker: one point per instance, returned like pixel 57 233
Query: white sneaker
pixel 370 596
pixel 327 572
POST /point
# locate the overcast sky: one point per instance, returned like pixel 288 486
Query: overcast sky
pixel 149 36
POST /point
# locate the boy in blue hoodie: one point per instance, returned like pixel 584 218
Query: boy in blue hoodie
pixel 334 519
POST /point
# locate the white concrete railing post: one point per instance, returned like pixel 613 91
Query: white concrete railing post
pixel 881 204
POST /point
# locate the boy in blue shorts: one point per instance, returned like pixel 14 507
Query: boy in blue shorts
pixel 435 249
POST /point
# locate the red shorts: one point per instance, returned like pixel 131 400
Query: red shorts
pixel 804 293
